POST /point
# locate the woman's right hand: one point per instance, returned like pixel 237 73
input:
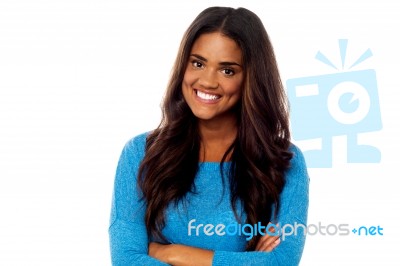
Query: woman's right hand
pixel 269 241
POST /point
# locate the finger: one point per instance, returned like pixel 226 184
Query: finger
pixel 269 236
pixel 270 228
pixel 261 242
pixel 273 245
pixel 268 245
pixel 265 241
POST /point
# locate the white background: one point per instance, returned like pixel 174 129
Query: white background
pixel 78 78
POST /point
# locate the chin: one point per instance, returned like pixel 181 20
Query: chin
pixel 203 116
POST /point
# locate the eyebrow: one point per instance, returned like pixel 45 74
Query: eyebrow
pixel 221 63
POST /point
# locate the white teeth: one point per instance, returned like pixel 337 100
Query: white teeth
pixel 206 96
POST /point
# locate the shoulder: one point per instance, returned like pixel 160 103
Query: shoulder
pixel 297 162
pixel 134 148
pixel 297 170
pixel 137 143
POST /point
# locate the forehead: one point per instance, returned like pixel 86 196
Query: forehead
pixel 217 47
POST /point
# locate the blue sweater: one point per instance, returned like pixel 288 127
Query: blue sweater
pixel 206 220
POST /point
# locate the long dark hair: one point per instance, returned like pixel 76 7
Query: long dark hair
pixel 260 153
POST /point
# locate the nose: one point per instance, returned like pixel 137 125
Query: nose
pixel 208 79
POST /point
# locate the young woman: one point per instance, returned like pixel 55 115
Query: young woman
pixel 218 182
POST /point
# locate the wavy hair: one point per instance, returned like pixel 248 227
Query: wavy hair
pixel 260 152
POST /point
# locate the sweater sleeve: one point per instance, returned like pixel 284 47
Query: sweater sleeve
pixel 127 231
pixel 293 212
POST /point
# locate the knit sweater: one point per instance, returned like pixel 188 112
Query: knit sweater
pixel 206 219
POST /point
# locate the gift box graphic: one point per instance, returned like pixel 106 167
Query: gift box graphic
pixel 344 103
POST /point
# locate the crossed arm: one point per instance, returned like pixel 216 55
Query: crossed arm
pixel 177 255
pixel 130 245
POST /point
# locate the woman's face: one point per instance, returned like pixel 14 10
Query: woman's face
pixel 213 78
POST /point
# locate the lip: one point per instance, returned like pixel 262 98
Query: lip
pixel 207 101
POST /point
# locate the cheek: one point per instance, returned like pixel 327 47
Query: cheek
pixel 234 89
pixel 187 86
pixel 188 78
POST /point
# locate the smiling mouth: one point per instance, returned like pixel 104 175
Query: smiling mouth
pixel 206 96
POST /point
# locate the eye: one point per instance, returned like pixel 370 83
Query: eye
pixel 228 71
pixel 197 64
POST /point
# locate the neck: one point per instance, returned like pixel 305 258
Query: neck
pixel 216 138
